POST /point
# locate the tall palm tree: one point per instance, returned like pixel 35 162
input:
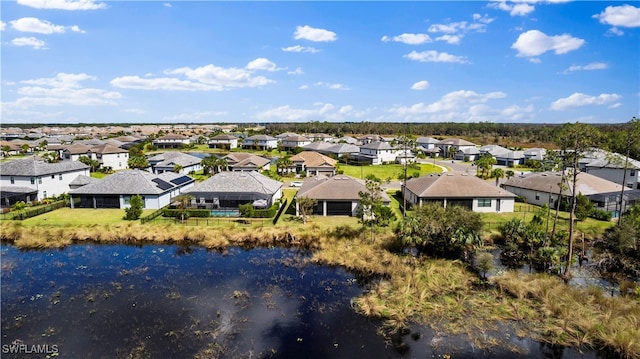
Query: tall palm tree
pixel 498 173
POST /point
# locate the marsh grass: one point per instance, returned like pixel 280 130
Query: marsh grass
pixel 443 294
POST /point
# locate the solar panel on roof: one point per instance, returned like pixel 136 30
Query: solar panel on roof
pixel 180 180
pixel 163 185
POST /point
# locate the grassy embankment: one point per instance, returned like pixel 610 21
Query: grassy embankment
pixel 445 295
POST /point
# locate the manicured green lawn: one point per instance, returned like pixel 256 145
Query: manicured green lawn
pixel 390 171
pixel 80 217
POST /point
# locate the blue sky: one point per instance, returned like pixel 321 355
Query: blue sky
pixel 92 61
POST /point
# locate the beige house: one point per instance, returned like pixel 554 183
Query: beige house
pixel 314 164
pixel 459 189
pixel 336 196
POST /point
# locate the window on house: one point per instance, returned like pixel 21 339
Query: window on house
pixel 633 173
pixel 44 194
pixel 537 196
pixel 484 203
pixel 53 176
pixel 13 180
pixel 33 180
pixel 39 180
pixel 60 177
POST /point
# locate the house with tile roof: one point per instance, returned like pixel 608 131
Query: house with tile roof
pixel 246 162
pixel 503 156
pixel 336 196
pixel 48 179
pixel 291 142
pixel 172 140
pixel 167 161
pixel 260 142
pixel 115 190
pixel 459 189
pixel 223 140
pixel 110 156
pixel 540 188
pixel 612 168
pixel 228 190
pixel 450 146
pixel 313 164
pixel 377 153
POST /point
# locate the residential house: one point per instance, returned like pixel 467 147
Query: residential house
pixel 339 150
pixel 458 189
pixel 346 139
pixel 313 164
pixel 363 140
pixel 467 154
pixel 109 156
pixel 48 179
pixel 260 142
pixel 246 162
pixel 612 168
pixel 75 151
pixel 167 162
pixel 116 190
pixel 172 141
pixel 292 142
pixel 224 140
pixel 541 188
pixel 337 196
pixel 228 190
pixel 450 146
pixel 323 137
pixel 503 156
pixel 426 143
pixel 377 153
pixel 318 146
pixel 536 154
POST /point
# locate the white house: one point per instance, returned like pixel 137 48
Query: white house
pixel 291 142
pixel 377 153
pixel 262 142
pixel 116 190
pixel 171 141
pixel 223 141
pixel 110 156
pixel 449 147
pixel 167 162
pixel 612 168
pixel 49 179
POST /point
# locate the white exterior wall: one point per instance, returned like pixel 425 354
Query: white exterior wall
pixel 295 143
pixel 46 186
pixel 230 143
pixel 616 174
pixel 534 197
pixel 117 161
pixel 506 205
pixel 381 155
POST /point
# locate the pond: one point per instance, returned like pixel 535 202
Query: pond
pixel 106 301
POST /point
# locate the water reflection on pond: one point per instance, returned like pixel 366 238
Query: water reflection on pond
pixel 104 301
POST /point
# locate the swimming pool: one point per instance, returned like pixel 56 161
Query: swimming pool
pixel 225 213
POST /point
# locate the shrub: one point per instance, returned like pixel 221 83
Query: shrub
pixel 193 212
pixel 601 215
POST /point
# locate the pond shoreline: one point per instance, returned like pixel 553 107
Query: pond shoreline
pixel 444 295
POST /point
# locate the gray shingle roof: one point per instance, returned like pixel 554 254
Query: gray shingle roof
pixel 33 167
pixel 125 182
pixel 377 145
pixel 455 142
pixel 340 187
pixel 587 184
pixel 454 185
pixel 237 182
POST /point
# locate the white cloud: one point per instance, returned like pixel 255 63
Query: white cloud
pixel 579 99
pixel 409 39
pixel 196 116
pixel 298 48
pixel 303 87
pixel 64 4
pixel 331 86
pixel 205 78
pixel 463 106
pixel 167 4
pixel 435 56
pixel 307 32
pixel 32 24
pixel 29 41
pixel 297 71
pixel 162 83
pixel 615 31
pixel 420 85
pixel 62 89
pixel 451 39
pixel 588 67
pixel 221 78
pixel 262 63
pixel 535 42
pixel 324 111
pixel 624 15
pixel 3 25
